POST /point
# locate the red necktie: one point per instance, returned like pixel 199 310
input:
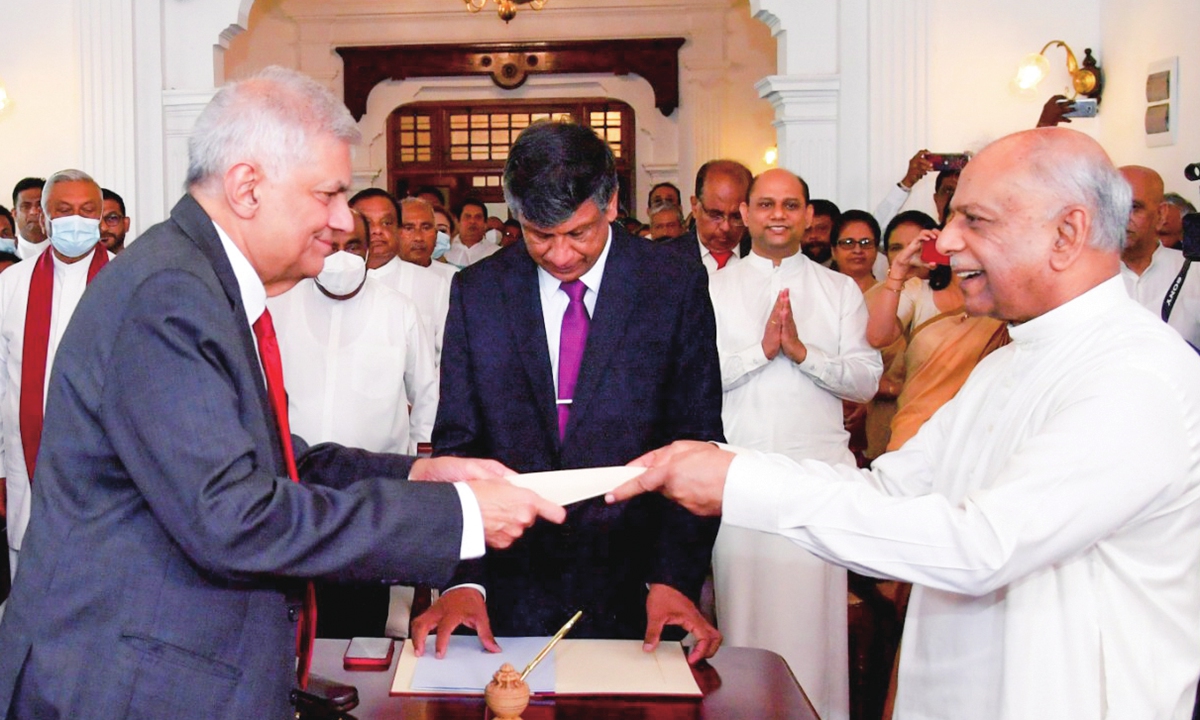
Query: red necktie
pixel 721 257
pixel 268 353
pixel 571 343
pixel 37 347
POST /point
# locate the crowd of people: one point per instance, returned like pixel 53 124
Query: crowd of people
pixel 973 406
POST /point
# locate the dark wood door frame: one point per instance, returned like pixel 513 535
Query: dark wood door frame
pixel 510 64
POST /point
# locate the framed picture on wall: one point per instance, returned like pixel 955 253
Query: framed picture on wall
pixel 1162 92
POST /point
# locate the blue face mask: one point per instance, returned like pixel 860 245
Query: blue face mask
pixel 8 245
pixel 73 236
pixel 441 245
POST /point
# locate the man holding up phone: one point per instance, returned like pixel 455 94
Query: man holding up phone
pixel 946 165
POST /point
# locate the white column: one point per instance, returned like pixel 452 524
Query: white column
pixel 806 115
pixel 899 96
pixel 806 93
pixel 109 96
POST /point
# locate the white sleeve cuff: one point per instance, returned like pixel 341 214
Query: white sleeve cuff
pixel 472 532
pixel 468 585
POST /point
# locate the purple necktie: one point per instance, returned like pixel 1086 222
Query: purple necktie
pixel 570 349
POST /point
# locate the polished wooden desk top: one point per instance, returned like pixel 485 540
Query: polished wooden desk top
pixel 739 683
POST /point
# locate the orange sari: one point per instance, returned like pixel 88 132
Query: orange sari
pixel 942 352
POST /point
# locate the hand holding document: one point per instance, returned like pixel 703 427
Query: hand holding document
pixel 565 487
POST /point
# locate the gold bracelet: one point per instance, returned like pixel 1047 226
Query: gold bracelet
pixel 897 290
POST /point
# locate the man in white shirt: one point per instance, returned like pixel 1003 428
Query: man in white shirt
pixel 70 215
pixel 427 289
pixel 918 166
pixel 418 237
pixel 1149 268
pixel 27 208
pixel 360 373
pixel 470 246
pixel 792 339
pixel 1048 514
pixel 720 190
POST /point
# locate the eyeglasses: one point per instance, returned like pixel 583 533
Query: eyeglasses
pixel 716 217
pixel 848 243
pixel 112 219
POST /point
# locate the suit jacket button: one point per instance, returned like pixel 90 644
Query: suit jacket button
pixel 294 614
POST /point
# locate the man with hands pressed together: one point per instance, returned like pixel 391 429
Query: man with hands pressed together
pixel 583 346
pixel 1053 541
pixel 790 334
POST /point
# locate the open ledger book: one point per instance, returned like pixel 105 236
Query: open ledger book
pixel 574 667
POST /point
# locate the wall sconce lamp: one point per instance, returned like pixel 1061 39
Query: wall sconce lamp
pixel 771 156
pixel 1086 80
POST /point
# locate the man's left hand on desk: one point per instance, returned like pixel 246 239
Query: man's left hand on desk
pixel 458 606
pixel 667 606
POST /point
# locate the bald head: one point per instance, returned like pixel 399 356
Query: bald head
pixel 1141 235
pixel 1037 220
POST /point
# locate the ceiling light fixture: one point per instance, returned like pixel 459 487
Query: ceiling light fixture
pixel 506 9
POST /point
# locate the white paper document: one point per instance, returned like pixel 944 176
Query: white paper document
pixel 468 668
pixel 577 667
pixel 564 487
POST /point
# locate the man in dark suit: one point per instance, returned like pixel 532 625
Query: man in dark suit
pixel 647 370
pixel 721 188
pixel 163 575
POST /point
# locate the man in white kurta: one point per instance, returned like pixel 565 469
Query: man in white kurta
pixel 1048 515
pixel 63 198
pixel 360 372
pixel 1148 268
pixel 792 339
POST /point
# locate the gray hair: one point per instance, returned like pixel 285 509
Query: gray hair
pixel 1088 179
pixel 1179 201
pixel 416 202
pixel 270 118
pixel 69 175
pixel 666 207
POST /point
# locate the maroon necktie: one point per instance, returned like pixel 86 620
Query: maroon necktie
pixel 268 352
pixel 570 349
pixel 36 348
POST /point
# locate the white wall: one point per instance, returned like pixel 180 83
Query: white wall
pixel 41 133
pixel 974 49
pixel 1135 35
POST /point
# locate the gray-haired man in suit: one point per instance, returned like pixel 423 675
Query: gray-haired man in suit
pixel 163 573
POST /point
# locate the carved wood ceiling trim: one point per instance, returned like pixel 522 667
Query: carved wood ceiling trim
pixel 511 64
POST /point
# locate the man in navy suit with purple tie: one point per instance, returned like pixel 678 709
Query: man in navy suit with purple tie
pixel 581 347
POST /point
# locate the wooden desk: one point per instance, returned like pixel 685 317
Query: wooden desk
pixel 738 684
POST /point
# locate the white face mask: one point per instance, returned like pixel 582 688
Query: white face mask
pixel 344 273
pixel 441 245
pixel 73 236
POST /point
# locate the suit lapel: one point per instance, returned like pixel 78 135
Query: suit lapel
pixel 528 329
pixel 616 299
pixel 199 228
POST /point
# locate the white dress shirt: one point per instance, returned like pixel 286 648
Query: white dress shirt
pixel 444 269
pixel 462 256
pixel 254 300
pixel 770 593
pixel 1152 285
pixel 555 301
pixel 355 367
pixel 70 280
pixel 429 292
pixel 1047 516
pixel 710 262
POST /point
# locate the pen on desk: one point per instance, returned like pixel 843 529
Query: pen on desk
pixel 550 645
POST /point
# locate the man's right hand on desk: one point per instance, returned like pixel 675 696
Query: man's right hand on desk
pixel 460 606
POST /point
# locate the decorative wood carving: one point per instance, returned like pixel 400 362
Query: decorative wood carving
pixel 510 64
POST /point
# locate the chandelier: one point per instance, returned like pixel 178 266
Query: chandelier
pixel 506 9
